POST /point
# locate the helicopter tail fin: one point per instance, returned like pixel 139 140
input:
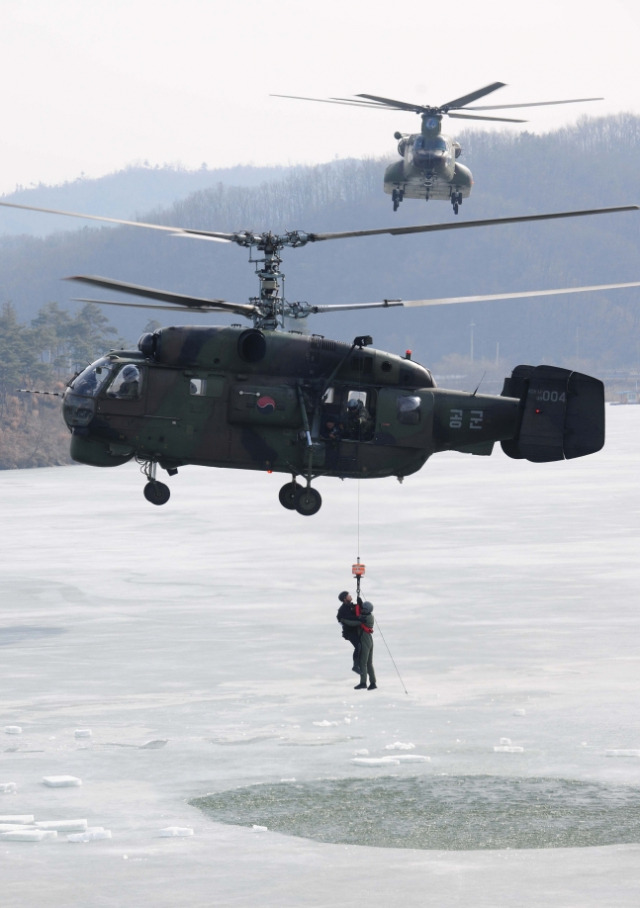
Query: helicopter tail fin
pixel 562 414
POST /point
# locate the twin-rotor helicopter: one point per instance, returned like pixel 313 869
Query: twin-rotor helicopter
pixel 429 166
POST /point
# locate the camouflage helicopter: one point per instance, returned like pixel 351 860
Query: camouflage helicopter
pixel 429 168
pixel 267 398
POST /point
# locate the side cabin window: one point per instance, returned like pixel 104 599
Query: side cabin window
pixel 408 411
pixel 127 385
pixel 197 387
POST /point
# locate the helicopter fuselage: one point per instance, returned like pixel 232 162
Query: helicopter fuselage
pixel 428 170
pixel 282 402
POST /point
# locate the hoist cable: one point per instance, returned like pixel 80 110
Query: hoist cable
pixel 391 657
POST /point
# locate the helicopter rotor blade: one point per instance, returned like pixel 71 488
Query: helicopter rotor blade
pixel 479 298
pixel 466 116
pixel 457 103
pixel 130 305
pixel 396 105
pixel 534 104
pixel 350 101
pixel 178 300
pixel 459 225
pixel 176 231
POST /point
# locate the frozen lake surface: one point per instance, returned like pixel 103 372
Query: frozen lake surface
pixel 155 657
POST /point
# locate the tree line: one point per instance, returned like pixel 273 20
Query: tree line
pixel 36 361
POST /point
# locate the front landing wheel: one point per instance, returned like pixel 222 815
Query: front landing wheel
pixel 288 495
pixel 157 492
pixel 309 502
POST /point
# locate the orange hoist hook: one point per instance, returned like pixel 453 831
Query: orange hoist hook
pixel 357 571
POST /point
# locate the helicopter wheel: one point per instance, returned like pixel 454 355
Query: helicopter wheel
pixel 309 502
pixel 157 492
pixel 288 495
pixel 455 207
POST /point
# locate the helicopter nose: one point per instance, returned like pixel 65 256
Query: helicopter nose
pixel 77 410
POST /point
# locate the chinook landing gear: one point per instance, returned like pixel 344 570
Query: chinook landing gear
pixel 156 492
pixel 304 500
pixel 396 197
pixel 456 201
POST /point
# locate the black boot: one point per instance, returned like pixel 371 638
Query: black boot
pixel 360 686
pixel 373 686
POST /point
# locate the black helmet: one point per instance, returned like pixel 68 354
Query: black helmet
pixel 366 608
pixel 343 595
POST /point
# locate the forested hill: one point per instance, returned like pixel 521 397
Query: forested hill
pixel 589 165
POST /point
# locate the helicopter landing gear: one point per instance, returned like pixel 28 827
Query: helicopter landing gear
pixel 396 197
pixel 305 501
pixel 156 492
pixel 309 502
pixel 288 495
pixel 456 201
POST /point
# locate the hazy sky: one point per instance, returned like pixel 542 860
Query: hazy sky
pixel 90 86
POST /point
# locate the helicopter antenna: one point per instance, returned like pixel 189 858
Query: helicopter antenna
pixel 479 383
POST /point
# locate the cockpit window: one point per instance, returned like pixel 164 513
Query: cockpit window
pixel 127 385
pixel 93 378
pixel 427 144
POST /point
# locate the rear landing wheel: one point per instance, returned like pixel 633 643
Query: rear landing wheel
pixel 288 495
pixel 157 492
pixel 309 502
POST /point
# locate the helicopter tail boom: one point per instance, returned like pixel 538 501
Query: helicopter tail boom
pixel 562 414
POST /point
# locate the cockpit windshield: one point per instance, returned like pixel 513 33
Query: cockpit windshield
pixel 93 378
pixel 426 144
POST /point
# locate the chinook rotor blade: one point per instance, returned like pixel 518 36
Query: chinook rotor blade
pixel 457 103
pixel 535 104
pixel 459 225
pixel 481 298
pixel 178 300
pixel 466 116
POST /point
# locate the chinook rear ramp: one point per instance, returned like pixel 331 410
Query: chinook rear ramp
pixel 562 414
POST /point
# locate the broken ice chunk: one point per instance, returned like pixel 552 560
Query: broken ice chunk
pixel 171 831
pixel 82 733
pixel 8 787
pixel 92 834
pixel 63 825
pixel 28 835
pixel 12 730
pixel 61 781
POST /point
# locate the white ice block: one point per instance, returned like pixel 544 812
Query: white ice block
pixel 28 835
pixel 398 745
pixel 622 753
pixel 24 819
pixel 92 834
pixel 12 730
pixel 8 787
pixel 61 781
pixel 83 732
pixel 171 831
pixel 508 749
pixel 63 825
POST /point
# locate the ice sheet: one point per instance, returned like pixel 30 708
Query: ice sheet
pixel 507 593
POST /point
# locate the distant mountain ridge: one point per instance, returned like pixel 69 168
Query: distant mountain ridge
pixel 590 165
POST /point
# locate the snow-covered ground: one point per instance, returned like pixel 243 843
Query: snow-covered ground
pixel 155 655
